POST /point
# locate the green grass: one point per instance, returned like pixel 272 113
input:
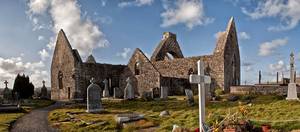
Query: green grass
pixel 279 113
pixel 7 118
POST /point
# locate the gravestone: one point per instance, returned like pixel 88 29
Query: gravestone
pixel 164 92
pixel 105 91
pixel 7 94
pixel 202 81
pixel 155 92
pixel 129 91
pixel 44 91
pixel 118 92
pixel 93 98
pixel 292 87
pixel 190 97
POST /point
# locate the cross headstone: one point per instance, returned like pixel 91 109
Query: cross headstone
pixel 43 91
pixel 93 97
pixel 201 80
pixel 105 91
pixel 128 91
pixel 292 87
pixel 5 82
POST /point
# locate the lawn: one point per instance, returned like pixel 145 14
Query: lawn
pixel 6 119
pixel 273 110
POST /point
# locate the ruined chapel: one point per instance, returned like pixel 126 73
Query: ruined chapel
pixel 167 67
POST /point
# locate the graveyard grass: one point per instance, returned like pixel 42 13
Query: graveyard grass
pixel 6 119
pixel 274 110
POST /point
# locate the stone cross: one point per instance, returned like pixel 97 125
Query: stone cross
pixel 292 87
pixel 105 91
pixel 43 83
pixel 201 80
pixel 292 68
pixel 5 82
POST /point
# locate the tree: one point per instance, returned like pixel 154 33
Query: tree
pixel 23 87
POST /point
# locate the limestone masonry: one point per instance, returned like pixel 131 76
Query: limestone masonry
pixel 166 68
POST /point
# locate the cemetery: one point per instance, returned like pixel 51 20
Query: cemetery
pixel 165 92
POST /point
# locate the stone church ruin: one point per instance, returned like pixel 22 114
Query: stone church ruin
pixel 167 68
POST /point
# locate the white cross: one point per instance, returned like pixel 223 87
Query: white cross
pixel 201 80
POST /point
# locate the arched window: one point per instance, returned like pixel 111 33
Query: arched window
pixel 169 56
pixel 60 81
pixel 137 66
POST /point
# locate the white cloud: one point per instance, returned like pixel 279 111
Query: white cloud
pixel 41 37
pixel 187 12
pixel 280 67
pixel 103 3
pixel 44 54
pixel 135 3
pixel 10 67
pixel 218 34
pixel 124 53
pixel 38 6
pixel 244 35
pixel 287 10
pixel 82 33
pixel 268 48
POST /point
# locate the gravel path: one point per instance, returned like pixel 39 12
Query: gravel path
pixel 35 121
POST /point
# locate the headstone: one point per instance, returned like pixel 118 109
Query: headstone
pixel 155 93
pixel 44 91
pixel 118 92
pixel 190 97
pixel 164 92
pixel 93 98
pixel 129 91
pixel 106 90
pixel 202 80
pixel 122 118
pixel 147 96
pixel 292 87
pixel 7 94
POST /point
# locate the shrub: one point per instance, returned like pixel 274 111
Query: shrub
pixel 219 92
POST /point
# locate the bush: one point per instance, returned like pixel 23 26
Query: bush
pixel 23 87
pixel 219 91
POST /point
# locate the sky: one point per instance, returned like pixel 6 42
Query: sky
pixel 268 31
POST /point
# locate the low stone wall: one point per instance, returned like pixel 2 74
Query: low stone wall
pixel 260 89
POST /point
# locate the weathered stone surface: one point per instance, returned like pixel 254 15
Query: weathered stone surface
pixel 122 118
pixel 164 92
pixel 118 93
pixel 94 98
pixel 105 91
pixel 164 113
pixel 129 90
pixel 292 92
pixel 190 97
pixel 167 68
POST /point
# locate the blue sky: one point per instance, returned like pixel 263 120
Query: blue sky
pixel 111 29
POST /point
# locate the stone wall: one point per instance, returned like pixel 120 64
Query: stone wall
pixel 175 73
pixel 260 89
pixel 64 62
pixel 226 61
pixel 99 72
pixel 142 72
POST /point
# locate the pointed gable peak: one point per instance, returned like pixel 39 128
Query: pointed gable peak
pixel 231 24
pixel 91 59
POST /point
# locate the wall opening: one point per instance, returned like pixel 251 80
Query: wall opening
pixel 169 56
pixel 137 70
pixel 60 80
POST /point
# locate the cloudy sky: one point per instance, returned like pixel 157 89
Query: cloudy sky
pixel 268 30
